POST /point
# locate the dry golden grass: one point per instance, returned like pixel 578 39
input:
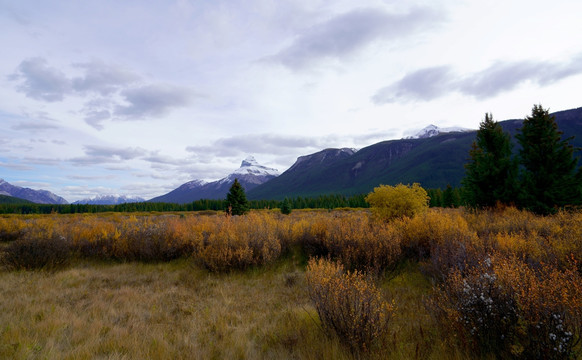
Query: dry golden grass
pixel 180 311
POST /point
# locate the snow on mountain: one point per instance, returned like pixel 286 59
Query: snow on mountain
pixel 194 184
pixel 250 166
pixel 110 200
pixel 250 171
pixel 250 174
pixel 433 130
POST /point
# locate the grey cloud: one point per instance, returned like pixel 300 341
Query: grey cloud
pixel 15 166
pixel 256 144
pixel 95 118
pixel 103 154
pixel 102 78
pixel 34 126
pixel 156 158
pixel 152 100
pixel 424 84
pixel 502 77
pixel 43 161
pixel 434 82
pixel 121 153
pixel 347 33
pixel 41 82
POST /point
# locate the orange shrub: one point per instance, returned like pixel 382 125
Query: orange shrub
pixel 348 304
pixel 362 244
pixel 240 242
pixel 442 239
pixel 550 309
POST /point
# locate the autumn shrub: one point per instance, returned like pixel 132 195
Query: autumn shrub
pixel 538 239
pixel 478 308
pixel 11 228
pixel 361 244
pixel 348 304
pixel 550 309
pixel 151 239
pixel 390 202
pixel 441 240
pixel 240 242
pixel 312 234
pixel 47 251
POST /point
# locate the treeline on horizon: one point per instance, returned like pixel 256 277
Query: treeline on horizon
pixel 450 197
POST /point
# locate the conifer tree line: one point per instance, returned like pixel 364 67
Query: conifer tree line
pixel 543 177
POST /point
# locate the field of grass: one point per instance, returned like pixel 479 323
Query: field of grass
pixel 218 288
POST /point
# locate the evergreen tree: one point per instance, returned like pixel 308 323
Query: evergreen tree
pixel 236 199
pixel 490 176
pixel 550 177
pixel 451 197
pixel 286 207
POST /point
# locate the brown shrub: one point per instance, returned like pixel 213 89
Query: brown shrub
pixel 33 252
pixel 478 308
pixel 240 242
pixel 348 304
pixel 550 308
pixel 440 239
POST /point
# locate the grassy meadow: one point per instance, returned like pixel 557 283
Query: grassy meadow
pixel 453 284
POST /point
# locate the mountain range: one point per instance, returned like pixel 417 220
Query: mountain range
pixel 434 157
pixel 110 200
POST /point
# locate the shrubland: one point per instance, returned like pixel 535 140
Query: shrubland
pixel 438 284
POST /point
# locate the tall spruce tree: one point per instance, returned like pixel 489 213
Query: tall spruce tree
pixel 236 199
pixel 490 176
pixel 550 177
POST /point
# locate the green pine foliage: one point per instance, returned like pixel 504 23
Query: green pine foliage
pixel 490 176
pixel 550 178
pixel 236 199
pixel 451 197
pixel 286 207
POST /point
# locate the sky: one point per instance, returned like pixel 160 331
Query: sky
pixel 137 97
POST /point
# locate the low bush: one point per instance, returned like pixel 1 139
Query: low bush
pixel 550 309
pixel 240 242
pixel 478 308
pixel 32 252
pixel 348 304
pixel 441 240
pixel 12 228
pixel 361 244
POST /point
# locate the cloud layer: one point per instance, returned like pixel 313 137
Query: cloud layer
pixel 345 34
pixel 434 82
pixel 112 92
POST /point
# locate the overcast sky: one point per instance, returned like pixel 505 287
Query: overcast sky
pixel 137 97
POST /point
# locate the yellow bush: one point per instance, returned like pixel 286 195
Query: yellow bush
pixel 389 202
pixel 11 228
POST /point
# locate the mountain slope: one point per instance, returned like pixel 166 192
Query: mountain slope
pixel 6 199
pixel 433 161
pixel 36 196
pixel 250 175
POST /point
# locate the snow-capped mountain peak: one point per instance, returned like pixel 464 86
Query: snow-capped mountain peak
pixel 250 166
pixel 433 130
